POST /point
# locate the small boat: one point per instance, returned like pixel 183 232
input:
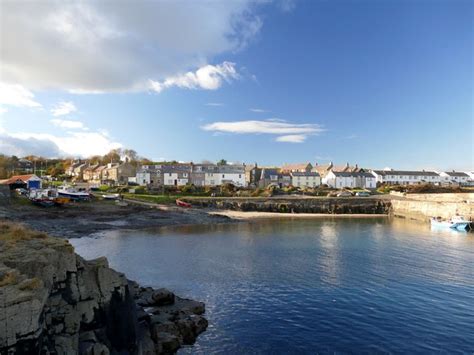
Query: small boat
pixel 110 196
pixel 72 193
pixel 46 197
pixel 456 222
pixel 183 204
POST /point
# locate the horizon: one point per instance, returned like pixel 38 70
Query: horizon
pixel 370 83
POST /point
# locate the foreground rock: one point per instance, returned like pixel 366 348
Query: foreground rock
pixel 54 302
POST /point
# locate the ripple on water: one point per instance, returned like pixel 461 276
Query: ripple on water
pixel 311 286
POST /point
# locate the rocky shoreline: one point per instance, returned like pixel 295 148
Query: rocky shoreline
pixel 86 218
pixel 52 301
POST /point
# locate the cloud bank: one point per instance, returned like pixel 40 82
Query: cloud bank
pixel 121 45
pixel 287 132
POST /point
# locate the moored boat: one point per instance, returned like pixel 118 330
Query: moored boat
pixel 183 204
pixel 72 193
pixel 46 197
pixel 456 222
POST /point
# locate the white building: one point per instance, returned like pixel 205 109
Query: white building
pixel 400 177
pixel 226 174
pixel 341 179
pixel 305 179
pixel 454 177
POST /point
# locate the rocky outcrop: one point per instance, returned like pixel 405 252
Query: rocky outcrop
pixel 325 205
pixel 54 302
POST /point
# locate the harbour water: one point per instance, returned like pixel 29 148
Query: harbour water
pixel 310 286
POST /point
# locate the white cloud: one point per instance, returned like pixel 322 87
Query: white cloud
pixel 3 110
pixel 287 132
pixel 16 95
pixel 214 104
pixel 82 144
pixel 119 46
pixel 209 77
pixel 258 110
pixel 292 138
pixel 63 108
pixel 68 124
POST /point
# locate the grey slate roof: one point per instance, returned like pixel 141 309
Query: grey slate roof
pixel 296 173
pixel 407 173
pixel 353 174
pixel 456 174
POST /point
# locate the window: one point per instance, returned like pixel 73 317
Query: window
pixel 223 176
pixel 185 174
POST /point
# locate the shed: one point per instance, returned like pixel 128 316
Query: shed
pixel 30 181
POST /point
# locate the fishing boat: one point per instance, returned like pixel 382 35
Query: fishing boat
pixel 183 204
pixel 47 197
pixel 72 193
pixel 456 222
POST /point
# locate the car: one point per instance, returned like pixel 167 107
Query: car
pixel 363 194
pixel 344 194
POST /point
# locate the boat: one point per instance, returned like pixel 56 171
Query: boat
pixel 456 222
pixel 183 204
pixel 110 196
pixel 47 197
pixel 73 194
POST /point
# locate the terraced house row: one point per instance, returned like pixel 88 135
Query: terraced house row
pixel 304 175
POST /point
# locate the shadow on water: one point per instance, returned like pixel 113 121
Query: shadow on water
pixel 311 285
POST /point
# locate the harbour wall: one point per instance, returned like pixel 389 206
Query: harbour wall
pixel 325 205
pixel 424 206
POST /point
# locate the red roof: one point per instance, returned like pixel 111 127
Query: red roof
pixel 15 178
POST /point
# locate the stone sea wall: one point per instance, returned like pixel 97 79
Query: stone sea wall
pixel 326 205
pixel 424 206
pixel 54 302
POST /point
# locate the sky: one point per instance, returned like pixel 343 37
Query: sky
pixel 378 83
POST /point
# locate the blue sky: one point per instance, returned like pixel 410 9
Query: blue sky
pixel 378 83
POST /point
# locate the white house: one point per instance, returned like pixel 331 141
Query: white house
pixel 341 179
pixel 232 174
pixel 305 179
pixel 401 177
pixel 149 175
pixel 454 177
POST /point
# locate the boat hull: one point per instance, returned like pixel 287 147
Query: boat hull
pixel 460 226
pixel 74 196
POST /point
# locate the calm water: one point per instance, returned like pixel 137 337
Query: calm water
pixel 310 286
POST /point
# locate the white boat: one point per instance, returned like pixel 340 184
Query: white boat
pixel 456 222
pixel 72 193
pixel 110 196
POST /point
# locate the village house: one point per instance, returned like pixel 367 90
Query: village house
pixel 323 170
pixel 301 168
pixel 30 181
pixel 199 172
pixel 149 175
pixel 402 177
pixel 97 174
pixel 305 179
pixel 118 173
pixel 454 178
pixel 176 174
pixel 351 179
pixel 88 173
pixel 252 175
pixel 226 174
pixel 274 176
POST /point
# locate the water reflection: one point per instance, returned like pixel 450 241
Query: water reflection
pixel 310 285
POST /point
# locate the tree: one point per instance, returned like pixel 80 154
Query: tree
pixel 222 162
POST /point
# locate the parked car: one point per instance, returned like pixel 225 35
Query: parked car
pixel 344 194
pixel 363 194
